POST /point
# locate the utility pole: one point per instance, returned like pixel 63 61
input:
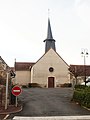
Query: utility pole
pixel 84 54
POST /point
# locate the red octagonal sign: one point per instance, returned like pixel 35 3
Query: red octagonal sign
pixel 16 90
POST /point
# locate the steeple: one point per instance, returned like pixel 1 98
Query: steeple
pixel 49 41
pixel 49 31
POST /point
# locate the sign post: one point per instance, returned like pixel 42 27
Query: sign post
pixel 6 91
pixel 16 91
pixel 16 101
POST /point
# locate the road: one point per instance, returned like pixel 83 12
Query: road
pixel 49 102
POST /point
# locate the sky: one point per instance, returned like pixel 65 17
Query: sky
pixel 23 27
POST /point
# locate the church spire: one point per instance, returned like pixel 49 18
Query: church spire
pixel 49 41
pixel 49 31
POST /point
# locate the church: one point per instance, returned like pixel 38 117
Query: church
pixel 49 71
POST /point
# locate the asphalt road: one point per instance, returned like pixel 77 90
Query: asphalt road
pixel 49 102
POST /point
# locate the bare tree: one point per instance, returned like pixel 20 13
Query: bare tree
pixel 77 71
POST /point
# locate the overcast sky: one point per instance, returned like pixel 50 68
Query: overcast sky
pixel 23 27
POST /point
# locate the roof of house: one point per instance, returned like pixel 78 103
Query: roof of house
pixel 2 61
pixel 81 70
pixel 23 66
pixel 5 66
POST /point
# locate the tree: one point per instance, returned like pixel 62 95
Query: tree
pixel 76 70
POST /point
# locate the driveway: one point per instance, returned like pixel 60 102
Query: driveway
pixel 49 102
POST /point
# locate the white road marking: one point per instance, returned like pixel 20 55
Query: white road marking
pixel 86 117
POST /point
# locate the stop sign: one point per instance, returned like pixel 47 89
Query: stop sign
pixel 16 90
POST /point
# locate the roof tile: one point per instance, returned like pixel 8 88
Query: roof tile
pixel 80 69
pixel 23 66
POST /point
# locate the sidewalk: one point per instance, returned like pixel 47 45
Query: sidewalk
pixel 10 109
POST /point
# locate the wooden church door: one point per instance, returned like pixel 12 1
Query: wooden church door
pixel 50 82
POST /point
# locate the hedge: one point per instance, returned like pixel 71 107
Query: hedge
pixel 34 85
pixel 80 87
pixel 66 85
pixel 82 96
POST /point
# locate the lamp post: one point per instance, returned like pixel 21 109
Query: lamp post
pixel 84 54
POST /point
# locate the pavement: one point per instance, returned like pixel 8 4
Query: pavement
pixel 11 109
pixel 42 102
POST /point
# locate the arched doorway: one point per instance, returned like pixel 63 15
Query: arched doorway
pixel 50 82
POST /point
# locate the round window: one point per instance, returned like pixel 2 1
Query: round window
pixel 51 69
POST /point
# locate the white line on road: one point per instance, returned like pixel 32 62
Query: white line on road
pixel 86 117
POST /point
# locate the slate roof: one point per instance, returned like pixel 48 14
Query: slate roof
pixel 49 31
pixel 23 66
pixel 50 42
pixel 80 69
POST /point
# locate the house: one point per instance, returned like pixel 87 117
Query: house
pixel 49 71
pixel 79 73
pixel 4 68
pixel 3 64
pixel 23 72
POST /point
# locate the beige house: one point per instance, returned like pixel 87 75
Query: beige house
pixel 23 72
pixel 49 71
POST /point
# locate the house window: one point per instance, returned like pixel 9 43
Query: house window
pixel 51 69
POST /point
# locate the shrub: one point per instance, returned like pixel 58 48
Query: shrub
pixel 87 100
pixel 34 85
pixel 82 96
pixel 24 86
pixel 29 85
pixel 80 86
pixel 66 85
pixel 78 96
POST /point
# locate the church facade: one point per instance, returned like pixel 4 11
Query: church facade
pixel 49 71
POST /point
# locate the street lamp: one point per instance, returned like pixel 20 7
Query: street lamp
pixel 84 54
